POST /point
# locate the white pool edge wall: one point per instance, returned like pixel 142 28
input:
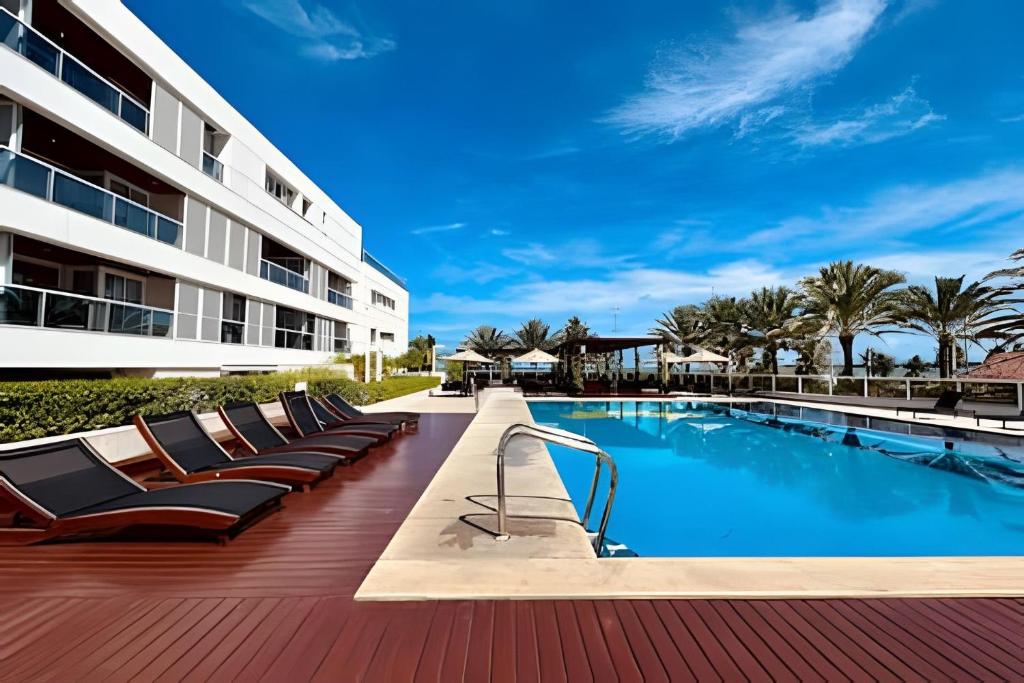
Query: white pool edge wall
pixel 434 555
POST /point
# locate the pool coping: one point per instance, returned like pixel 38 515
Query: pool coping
pixel 434 555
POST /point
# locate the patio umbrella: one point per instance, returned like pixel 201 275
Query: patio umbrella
pixel 703 356
pixel 466 357
pixel 536 356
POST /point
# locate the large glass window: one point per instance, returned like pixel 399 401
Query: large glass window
pixel 294 329
pixel 281 192
pixel 341 341
pixel 232 326
pixel 381 300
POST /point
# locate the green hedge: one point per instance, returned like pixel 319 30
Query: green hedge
pixel 30 410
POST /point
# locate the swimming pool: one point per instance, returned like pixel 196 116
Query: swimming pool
pixel 769 480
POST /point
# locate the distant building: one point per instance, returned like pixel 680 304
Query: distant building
pixel 147 226
pixel 1009 365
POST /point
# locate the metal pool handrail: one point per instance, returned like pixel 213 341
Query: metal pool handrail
pixel 559 437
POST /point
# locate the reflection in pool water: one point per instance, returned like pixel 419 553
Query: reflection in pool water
pixel 706 480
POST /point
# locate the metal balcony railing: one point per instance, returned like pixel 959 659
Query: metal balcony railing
pixel 35 307
pixel 48 182
pixel 384 270
pixel 42 52
pixel 339 298
pixel 283 276
pixel 212 167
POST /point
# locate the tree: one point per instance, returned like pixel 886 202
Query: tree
pixel 877 364
pixel 770 312
pixel 813 356
pixel 847 299
pixel 536 334
pixel 486 339
pixel 915 366
pixel 949 311
pixel 575 330
pixel 681 325
pixel 1008 328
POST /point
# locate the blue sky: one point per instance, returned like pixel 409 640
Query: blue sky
pixel 554 158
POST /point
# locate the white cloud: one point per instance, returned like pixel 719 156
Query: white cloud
pixel 447 227
pixel 580 253
pixel 899 115
pixel 718 83
pixel 989 198
pixel 479 272
pixel 1019 118
pixel 325 36
pixel 499 233
pixel 628 288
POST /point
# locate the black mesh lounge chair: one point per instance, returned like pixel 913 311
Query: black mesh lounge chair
pixel 945 404
pixel 349 411
pixel 303 419
pixel 189 452
pixel 332 422
pixel 256 435
pixel 1004 420
pixel 66 489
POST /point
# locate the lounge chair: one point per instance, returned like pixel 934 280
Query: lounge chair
pixel 945 404
pixel 257 436
pixel 345 408
pixel 333 422
pixel 191 454
pixel 67 489
pixel 1003 419
pixel 299 409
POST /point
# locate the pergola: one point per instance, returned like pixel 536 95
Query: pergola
pixel 588 346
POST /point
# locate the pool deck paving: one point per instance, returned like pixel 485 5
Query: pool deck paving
pixel 277 603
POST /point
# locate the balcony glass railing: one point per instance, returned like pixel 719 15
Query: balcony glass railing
pixel 33 307
pixel 384 270
pixel 283 276
pixel 52 184
pixel 41 51
pixel 339 298
pixel 212 167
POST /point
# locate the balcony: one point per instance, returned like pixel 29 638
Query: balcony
pixel 383 270
pixel 283 276
pixel 41 51
pixel 212 167
pixel 33 307
pixel 339 298
pixel 52 184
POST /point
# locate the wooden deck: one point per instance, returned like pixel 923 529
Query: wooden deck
pixel 276 604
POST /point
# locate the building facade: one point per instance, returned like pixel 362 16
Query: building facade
pixel 147 227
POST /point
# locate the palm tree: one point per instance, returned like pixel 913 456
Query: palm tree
pixel 1008 328
pixel 536 334
pixel 847 299
pixel 769 312
pixel 948 311
pixel 681 325
pixel 487 340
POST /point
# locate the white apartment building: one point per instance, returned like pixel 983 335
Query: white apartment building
pixel 147 227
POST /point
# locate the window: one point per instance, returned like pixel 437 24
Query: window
pixel 123 189
pixel 341 343
pixel 306 204
pixel 232 326
pixel 120 288
pixel 381 300
pixel 387 336
pixel 281 192
pixel 294 329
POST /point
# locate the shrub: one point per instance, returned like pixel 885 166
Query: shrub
pixel 30 410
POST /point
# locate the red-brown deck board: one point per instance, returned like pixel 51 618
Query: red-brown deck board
pixel 276 604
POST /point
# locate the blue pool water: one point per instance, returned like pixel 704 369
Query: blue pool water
pixel 701 481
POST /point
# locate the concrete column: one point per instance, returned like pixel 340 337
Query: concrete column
pixel 6 258
pixel 379 374
pixel 366 364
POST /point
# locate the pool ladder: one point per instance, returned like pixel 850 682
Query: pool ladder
pixel 558 437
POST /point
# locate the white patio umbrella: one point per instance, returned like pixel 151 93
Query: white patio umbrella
pixel 703 356
pixel 536 356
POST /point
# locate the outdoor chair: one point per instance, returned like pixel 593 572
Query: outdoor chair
pixel 298 408
pixel 66 489
pixel 333 421
pixel 191 454
pixel 946 404
pixel 343 407
pixel 257 436
pixel 1003 419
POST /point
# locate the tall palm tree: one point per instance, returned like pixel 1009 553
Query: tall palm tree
pixel 770 312
pixel 487 339
pixel 536 334
pixel 949 311
pixel 846 299
pixel 1009 327
pixel 681 325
